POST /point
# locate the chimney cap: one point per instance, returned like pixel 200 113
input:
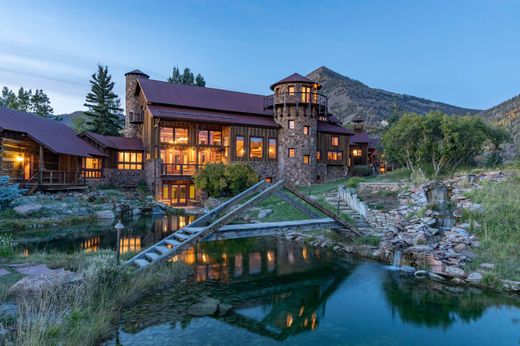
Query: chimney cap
pixel 137 72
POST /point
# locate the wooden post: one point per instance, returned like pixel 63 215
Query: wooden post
pixel 41 166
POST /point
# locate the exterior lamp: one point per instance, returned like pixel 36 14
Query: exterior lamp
pixel 118 227
pixel 19 158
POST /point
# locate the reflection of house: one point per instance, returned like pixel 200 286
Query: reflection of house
pixel 288 135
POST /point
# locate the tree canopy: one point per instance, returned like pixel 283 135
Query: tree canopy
pixel 104 106
pixel 26 101
pixel 186 77
pixel 439 140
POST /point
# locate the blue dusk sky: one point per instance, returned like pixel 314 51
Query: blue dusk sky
pixel 462 52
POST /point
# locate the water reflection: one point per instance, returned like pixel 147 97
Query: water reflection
pixel 138 234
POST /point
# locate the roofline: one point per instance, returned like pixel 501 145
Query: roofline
pixel 206 109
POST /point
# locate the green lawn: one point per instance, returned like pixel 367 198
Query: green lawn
pixel 499 233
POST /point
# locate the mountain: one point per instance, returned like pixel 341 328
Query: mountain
pixel 75 120
pixel 507 115
pixel 349 98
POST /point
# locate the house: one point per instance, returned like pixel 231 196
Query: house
pixel 42 153
pixel 286 135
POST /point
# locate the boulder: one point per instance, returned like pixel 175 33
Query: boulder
pixel 33 284
pixel 105 214
pixel 455 271
pixel 474 278
pixel 487 266
pixel 27 209
pixel 224 308
pixel 263 213
pixel 203 308
pixel 407 270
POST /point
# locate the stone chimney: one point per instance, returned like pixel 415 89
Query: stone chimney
pixel 133 122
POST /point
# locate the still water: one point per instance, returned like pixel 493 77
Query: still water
pixel 292 295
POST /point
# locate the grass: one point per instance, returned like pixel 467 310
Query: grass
pixel 367 240
pixel 86 313
pixel 282 211
pixel 499 234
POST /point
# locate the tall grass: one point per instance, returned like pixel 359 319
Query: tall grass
pixel 499 233
pixel 86 313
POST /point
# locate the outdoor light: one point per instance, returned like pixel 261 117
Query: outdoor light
pixel 118 227
pixel 19 158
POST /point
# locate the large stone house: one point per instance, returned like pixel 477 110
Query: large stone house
pixel 286 135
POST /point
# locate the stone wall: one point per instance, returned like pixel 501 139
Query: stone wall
pixel 131 104
pixel 123 177
pixel 152 172
pixel 265 169
pixel 336 172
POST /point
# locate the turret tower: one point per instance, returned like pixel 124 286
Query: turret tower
pixel 297 106
pixel 134 114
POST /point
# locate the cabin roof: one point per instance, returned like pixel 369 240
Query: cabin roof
pixel 360 138
pixel 53 135
pixel 331 127
pixel 164 93
pixel 116 142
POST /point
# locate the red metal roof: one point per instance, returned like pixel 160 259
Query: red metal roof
pixel 328 127
pixel 52 134
pixel 213 117
pixel 116 142
pixel 295 78
pixel 164 93
pixel 360 137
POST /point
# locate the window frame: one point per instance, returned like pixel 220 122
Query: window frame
pixel 251 138
pixel 318 155
pixel 243 154
pixel 275 148
pixel 291 124
pixel 306 159
pixel 291 150
pixel 334 139
pixel 130 162
pixel 306 130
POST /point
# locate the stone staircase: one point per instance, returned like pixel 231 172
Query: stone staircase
pixel 362 226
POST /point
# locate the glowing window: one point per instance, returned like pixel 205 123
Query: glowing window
pixel 215 137
pixel 291 90
pixel 203 137
pixel 335 155
pixel 239 146
pixel 306 92
pixel 130 160
pixel 181 136
pixel 256 147
pixel 306 130
pixel 166 135
pixel 269 179
pixel 357 152
pixel 291 152
pixel 318 155
pixel 334 141
pixel 290 124
pixel 306 159
pixel 272 148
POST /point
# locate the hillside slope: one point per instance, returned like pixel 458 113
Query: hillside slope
pixel 349 98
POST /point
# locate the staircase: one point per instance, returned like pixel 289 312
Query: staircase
pixel 362 226
pixel 205 225
pixel 31 185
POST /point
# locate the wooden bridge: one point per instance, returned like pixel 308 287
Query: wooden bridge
pixel 216 220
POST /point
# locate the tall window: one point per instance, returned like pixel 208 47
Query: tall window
pixel 206 137
pixel 357 152
pixel 92 167
pixel 130 160
pixel 291 152
pixel 334 141
pixel 306 130
pixel 272 148
pixel 306 92
pixel 290 124
pixel 181 136
pixel 203 137
pixel 306 159
pixel 291 90
pixel 318 155
pixel 239 146
pixel 256 147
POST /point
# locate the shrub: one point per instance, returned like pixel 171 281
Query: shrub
pixel 361 171
pixel 6 246
pixel 8 192
pixel 354 182
pixel 240 176
pixel 212 179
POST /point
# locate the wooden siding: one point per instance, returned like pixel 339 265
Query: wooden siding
pixel 248 132
pixel 324 145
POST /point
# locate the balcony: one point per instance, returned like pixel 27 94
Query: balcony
pixel 179 169
pixel 298 98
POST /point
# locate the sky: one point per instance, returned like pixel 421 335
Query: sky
pixel 461 52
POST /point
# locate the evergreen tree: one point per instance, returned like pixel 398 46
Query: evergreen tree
pixel 187 77
pixel 199 81
pixel 24 100
pixel 8 99
pixel 104 112
pixel 40 104
pixel 175 78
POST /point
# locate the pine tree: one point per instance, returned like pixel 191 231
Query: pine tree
pixel 175 78
pixel 104 112
pixel 24 100
pixel 199 81
pixel 187 77
pixel 40 104
pixel 8 99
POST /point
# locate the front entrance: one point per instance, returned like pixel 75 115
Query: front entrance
pixel 178 193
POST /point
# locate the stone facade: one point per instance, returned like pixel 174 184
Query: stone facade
pixel 152 172
pixel 295 169
pixel 131 103
pixel 336 172
pixel 265 169
pixel 123 177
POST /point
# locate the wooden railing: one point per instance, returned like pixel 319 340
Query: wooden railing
pixel 91 173
pixel 51 177
pixel 298 98
pixel 180 169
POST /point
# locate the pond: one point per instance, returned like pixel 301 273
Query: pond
pixel 288 294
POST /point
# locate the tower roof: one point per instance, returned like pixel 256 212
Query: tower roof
pixel 295 78
pixel 137 72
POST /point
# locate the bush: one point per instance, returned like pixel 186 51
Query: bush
pixel 6 246
pixel 354 182
pixel 361 171
pixel 240 176
pixel 9 192
pixel 212 179
pixel 218 179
